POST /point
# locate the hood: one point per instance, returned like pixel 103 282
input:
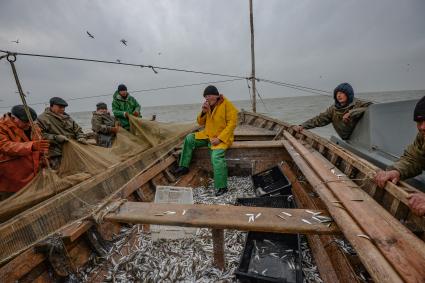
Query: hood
pixel 119 97
pixel 348 90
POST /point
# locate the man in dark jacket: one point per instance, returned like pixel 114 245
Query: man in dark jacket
pixel 344 114
pixel 103 124
pixel 411 163
pixel 58 127
pixel 124 105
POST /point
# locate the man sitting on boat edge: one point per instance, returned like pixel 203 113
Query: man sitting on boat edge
pixel 344 114
pixel 219 118
pixel 103 124
pixel 58 127
pixel 411 163
pixel 21 150
pixel 123 105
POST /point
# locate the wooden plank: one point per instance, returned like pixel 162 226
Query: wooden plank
pixel 332 262
pixel 399 246
pixel 256 144
pixel 20 265
pixel 217 217
pixel 376 264
pixel 218 248
pixel 75 230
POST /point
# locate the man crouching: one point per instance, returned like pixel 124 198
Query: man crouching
pixel 103 124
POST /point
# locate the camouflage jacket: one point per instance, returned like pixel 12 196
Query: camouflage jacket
pixel 102 123
pixel 334 115
pixel 412 162
pixel 52 124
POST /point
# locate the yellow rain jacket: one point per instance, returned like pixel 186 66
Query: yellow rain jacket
pixel 220 123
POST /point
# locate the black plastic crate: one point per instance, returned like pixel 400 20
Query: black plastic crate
pixel 270 257
pixel 271 182
pixel 273 201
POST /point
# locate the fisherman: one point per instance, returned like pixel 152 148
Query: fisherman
pixel 344 114
pixel 103 124
pixel 124 105
pixel 20 150
pixel 58 127
pixel 219 118
pixel 411 163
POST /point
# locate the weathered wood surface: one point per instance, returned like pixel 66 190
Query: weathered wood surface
pixel 333 264
pixel 396 243
pixel 220 217
pixel 251 133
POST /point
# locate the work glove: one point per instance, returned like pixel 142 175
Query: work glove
pixel 136 114
pixel 61 138
pixel 126 115
pixel 41 145
pixel 82 140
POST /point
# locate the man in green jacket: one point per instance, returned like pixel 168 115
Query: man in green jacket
pixel 58 127
pixel 124 105
pixel 411 163
pixel 344 114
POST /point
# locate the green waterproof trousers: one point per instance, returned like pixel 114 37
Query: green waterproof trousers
pixel 218 159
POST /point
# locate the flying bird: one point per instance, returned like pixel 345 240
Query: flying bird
pixel 89 34
pixel 159 53
pixel 16 41
pixel 123 41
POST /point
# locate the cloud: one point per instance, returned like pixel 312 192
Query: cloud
pixel 375 45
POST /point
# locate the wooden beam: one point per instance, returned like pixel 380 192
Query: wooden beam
pixel 376 264
pixel 220 217
pixel 218 247
pixel 401 248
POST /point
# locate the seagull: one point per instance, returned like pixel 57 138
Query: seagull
pixel 123 41
pixel 89 34
pixel 16 41
pixel 118 61
pixel 159 53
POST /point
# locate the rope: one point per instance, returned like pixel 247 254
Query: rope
pixel 136 91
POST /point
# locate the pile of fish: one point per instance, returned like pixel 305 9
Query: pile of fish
pixel 188 259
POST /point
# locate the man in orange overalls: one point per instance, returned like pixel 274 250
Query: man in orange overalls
pixel 20 150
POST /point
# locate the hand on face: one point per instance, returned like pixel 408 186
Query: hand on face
pixel 205 107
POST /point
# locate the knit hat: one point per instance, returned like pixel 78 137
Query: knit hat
pixel 122 87
pixel 101 105
pixel 348 90
pixel 419 112
pixel 58 101
pixel 211 90
pixel 19 112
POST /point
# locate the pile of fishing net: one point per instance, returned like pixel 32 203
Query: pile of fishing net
pixel 82 162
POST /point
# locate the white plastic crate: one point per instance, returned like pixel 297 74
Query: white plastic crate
pixel 177 195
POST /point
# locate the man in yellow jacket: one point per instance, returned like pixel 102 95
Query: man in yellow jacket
pixel 219 118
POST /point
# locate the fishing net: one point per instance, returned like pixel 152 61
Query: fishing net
pixel 87 177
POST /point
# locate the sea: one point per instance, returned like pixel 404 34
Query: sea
pixel 293 110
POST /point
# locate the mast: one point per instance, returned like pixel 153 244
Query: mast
pixel 251 18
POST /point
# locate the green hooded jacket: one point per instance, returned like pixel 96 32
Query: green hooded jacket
pixel 412 162
pixel 334 115
pixel 122 105
pixel 52 125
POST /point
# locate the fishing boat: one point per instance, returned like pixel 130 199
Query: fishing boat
pixel 53 239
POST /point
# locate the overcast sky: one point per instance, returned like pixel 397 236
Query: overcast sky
pixel 375 45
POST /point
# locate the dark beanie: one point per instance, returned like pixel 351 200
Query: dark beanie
pixel 58 101
pixel 347 89
pixel 122 87
pixel 419 113
pixel 212 90
pixel 101 105
pixel 19 112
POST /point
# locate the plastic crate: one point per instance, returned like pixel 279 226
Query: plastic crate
pixel 273 201
pixel 177 195
pixel 270 257
pixel 271 182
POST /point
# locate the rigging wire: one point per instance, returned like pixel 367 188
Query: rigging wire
pixel 137 91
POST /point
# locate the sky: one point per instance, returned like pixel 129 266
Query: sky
pixel 374 45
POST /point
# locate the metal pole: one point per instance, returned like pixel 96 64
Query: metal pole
pixel 251 18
